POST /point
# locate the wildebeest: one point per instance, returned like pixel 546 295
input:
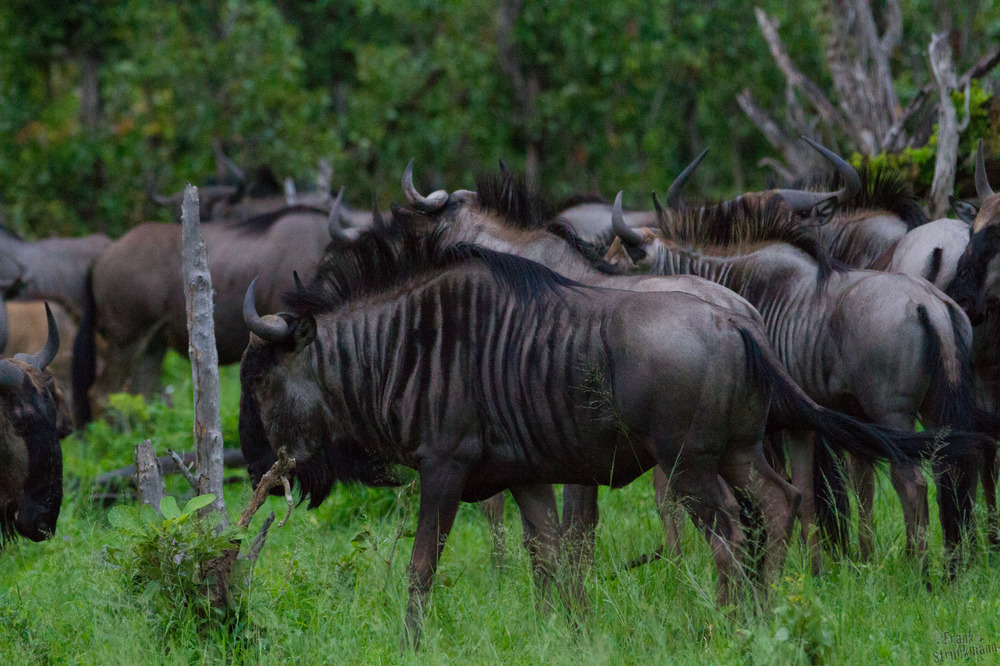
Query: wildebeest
pixel 31 475
pixel 882 347
pixel 505 215
pixel 486 371
pixel 52 269
pixel 137 295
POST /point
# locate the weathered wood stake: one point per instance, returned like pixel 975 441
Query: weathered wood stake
pixel 203 354
pixel 148 480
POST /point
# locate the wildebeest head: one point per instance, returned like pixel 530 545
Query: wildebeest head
pixel 976 287
pixel 266 371
pixel 31 473
pixel 729 228
pixel 805 205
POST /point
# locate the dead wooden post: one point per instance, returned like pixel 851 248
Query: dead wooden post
pixel 204 356
pixel 949 127
pixel 148 480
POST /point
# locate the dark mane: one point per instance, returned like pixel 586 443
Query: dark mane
pixel 510 197
pixel 384 258
pixel 260 224
pixel 587 250
pixel 578 199
pixel 882 188
pixel 742 224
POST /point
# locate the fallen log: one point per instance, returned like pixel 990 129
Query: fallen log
pixel 230 458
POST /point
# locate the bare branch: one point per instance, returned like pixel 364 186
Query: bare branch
pixel 893 140
pixel 274 476
pixel 784 174
pixel 893 29
pixel 288 498
pixel 260 539
pixel 183 469
pixel 230 458
pixel 800 161
pixel 943 69
pixel 829 114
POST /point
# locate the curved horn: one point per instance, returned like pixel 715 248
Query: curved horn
pixel 983 189
pixel 628 235
pixel 274 330
pixel 661 214
pixel 674 193
pixel 165 199
pixel 44 356
pixel 11 376
pixel 333 220
pixel 852 181
pixel 223 159
pixel 3 325
pixel 429 204
pixel 377 220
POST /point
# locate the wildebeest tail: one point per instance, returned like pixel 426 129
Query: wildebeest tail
pixel 833 508
pixel 953 405
pixel 792 408
pixel 83 368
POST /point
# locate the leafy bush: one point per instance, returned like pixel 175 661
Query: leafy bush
pixel 166 560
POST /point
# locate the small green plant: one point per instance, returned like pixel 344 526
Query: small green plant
pixel 802 628
pixel 167 560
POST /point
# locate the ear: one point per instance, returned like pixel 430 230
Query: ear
pixel 965 211
pixel 305 332
pixel 824 210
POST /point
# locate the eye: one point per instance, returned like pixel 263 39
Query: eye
pixel 804 214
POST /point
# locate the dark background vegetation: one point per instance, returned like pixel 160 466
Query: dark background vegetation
pixel 98 99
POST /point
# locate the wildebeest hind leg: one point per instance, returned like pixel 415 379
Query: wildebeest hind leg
pixel 493 509
pixel 537 503
pixel 440 493
pixel 800 455
pixel 148 362
pixel 777 499
pixel 863 483
pixel 670 515
pixel 714 510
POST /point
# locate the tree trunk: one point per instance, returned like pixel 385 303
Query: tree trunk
pixel 949 127
pixel 148 480
pixel 204 355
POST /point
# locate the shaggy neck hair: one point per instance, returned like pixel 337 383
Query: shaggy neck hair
pixel 389 256
pixel 882 189
pixel 737 227
pixel 261 224
pixel 516 205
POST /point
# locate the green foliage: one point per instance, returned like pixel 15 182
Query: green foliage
pixel 167 561
pixel 626 93
pixel 917 164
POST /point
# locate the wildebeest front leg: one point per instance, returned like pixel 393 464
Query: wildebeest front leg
pixel 537 503
pixel 800 454
pixel 440 494
pixel 670 516
pixel 579 526
pixel 493 509
pixel 989 475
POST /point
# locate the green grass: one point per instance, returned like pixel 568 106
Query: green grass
pixel 330 587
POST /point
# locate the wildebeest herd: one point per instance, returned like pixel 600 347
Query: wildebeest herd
pixel 763 354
